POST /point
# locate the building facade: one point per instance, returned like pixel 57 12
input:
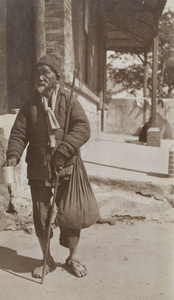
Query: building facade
pixel 71 29
pixel 79 32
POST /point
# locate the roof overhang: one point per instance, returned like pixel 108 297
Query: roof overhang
pixel 129 24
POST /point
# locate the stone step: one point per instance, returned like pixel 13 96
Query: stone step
pixel 124 203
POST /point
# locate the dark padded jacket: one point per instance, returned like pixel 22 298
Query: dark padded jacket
pixel 31 128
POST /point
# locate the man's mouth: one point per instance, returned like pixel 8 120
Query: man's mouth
pixel 41 84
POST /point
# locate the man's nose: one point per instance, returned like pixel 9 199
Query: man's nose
pixel 41 76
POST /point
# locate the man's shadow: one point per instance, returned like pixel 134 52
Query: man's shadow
pixel 10 260
pixel 15 264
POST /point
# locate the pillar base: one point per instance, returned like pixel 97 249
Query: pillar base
pixel 153 137
pixel 171 162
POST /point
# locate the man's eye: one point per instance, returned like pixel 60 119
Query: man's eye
pixel 46 73
pixel 37 74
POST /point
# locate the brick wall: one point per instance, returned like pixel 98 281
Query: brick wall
pixel 90 103
pixel 153 137
pixel 54 28
pixel 92 114
pixel 58 32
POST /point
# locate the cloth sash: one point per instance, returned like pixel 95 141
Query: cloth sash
pixel 52 122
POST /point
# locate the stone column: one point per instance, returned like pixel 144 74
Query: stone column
pixel 39 28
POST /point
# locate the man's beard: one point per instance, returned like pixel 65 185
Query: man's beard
pixel 45 89
pixel 42 89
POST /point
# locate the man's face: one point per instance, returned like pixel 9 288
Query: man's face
pixel 45 79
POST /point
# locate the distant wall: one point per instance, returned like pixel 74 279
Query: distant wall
pixel 125 116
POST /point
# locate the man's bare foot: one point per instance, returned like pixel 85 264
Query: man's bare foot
pixel 50 267
pixel 76 267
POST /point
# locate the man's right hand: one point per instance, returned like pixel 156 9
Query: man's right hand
pixel 12 161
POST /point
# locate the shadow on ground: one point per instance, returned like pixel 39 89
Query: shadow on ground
pixel 10 260
pixel 160 175
pixel 16 265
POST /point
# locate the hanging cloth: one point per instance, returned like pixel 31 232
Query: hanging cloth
pixel 52 122
pixel 78 207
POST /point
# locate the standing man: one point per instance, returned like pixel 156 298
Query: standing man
pixel 40 124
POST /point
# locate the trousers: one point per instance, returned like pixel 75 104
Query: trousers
pixel 41 199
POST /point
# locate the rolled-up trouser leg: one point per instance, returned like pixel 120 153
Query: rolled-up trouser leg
pixel 41 209
pixel 69 238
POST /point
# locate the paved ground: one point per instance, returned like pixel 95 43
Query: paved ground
pixel 138 175
pixel 133 260
pixel 113 158
pixel 128 261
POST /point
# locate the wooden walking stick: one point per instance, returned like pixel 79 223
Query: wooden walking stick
pixel 56 186
pixel 69 109
pixel 49 227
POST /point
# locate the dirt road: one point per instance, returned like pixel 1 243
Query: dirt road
pixel 133 260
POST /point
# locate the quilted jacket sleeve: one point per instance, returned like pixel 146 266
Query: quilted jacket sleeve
pixel 19 135
pixel 78 131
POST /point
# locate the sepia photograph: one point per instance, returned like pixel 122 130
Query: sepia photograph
pixel 87 150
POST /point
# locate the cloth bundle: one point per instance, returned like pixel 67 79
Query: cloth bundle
pixel 78 207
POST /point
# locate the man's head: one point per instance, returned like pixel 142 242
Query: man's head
pixel 47 73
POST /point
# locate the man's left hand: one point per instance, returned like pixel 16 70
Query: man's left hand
pixel 60 161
